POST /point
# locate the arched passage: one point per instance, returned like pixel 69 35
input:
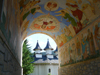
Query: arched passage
pixel 45 60
pixel 70 22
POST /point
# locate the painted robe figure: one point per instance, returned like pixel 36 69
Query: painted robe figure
pixel 74 52
pixel 85 47
pixel 67 55
pixel 91 42
pixel 70 54
pixel 97 36
pixel 78 14
pixel 65 15
pixel 96 5
pixel 88 11
pixel 78 47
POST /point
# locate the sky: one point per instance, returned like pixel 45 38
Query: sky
pixel 42 40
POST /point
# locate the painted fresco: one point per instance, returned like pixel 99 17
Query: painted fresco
pixel 51 6
pixel 67 21
pixel 27 7
pixel 78 48
pixel 96 34
pixel 45 22
pixel 73 14
pixel 66 35
pixel 84 46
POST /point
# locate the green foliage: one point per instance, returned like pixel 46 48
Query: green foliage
pixel 28 67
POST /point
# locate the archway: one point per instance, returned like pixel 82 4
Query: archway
pixel 43 59
pixel 70 22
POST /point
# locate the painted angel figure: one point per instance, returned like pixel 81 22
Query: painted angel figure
pixel 65 14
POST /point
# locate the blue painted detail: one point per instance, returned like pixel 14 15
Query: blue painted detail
pixel 44 57
pixel 48 46
pixel 37 47
pixel 37 14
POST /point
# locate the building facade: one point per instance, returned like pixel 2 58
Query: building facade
pixel 45 63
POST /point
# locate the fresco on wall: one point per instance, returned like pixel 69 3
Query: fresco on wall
pixel 72 51
pixel 88 44
pixel 78 48
pixel 96 34
pixel 84 46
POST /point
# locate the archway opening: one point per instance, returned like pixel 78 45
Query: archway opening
pixel 44 59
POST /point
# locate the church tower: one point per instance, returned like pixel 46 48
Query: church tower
pixel 48 50
pixel 38 50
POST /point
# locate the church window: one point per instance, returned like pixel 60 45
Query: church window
pixel 49 70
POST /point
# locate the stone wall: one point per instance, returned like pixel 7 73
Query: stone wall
pixel 9 65
pixel 90 67
pixel 9 26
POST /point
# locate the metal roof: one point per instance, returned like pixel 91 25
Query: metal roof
pixel 48 46
pixel 37 47
pixel 44 59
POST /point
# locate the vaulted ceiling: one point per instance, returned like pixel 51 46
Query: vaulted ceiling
pixel 57 18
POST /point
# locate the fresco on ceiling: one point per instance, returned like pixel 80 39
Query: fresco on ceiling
pixel 78 12
pixel 9 23
pixel 45 22
pixel 75 13
pixel 66 35
pixel 83 47
pixel 51 5
pixel 27 7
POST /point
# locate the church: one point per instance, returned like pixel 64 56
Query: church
pixel 45 63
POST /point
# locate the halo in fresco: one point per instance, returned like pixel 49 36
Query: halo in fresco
pixel 45 22
pixel 51 6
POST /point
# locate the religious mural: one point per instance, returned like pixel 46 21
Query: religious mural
pixel 45 22
pixel 84 46
pixel 51 5
pixel 72 16
pixel 96 34
pixel 20 18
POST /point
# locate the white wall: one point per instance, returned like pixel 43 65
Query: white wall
pixel 48 51
pixel 44 70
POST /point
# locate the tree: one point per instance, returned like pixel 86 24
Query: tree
pixel 27 59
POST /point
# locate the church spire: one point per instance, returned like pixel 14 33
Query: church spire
pixel 48 46
pixel 37 47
